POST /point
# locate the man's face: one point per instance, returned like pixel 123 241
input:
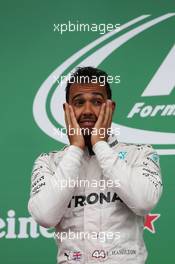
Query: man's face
pixel 86 100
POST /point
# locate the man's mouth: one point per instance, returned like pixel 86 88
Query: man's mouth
pixel 87 123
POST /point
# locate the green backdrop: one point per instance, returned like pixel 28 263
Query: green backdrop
pixel 30 52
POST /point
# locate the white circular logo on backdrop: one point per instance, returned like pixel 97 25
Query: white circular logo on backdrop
pixel 129 135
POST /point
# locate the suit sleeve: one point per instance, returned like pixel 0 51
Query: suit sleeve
pixel 48 198
pixel 140 180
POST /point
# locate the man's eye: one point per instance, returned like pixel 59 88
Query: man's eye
pixel 78 102
pixel 97 102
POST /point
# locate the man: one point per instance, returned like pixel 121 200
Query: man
pixel 109 218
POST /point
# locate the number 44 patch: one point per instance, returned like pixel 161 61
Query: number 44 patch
pixel 99 254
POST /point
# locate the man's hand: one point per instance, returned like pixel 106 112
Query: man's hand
pixel 73 129
pixel 104 121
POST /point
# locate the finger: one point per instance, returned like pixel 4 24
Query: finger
pixel 66 121
pixel 65 118
pixel 73 118
pixel 101 115
pixel 110 115
pixel 107 112
pixel 67 111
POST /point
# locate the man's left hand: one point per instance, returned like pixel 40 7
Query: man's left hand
pixel 103 122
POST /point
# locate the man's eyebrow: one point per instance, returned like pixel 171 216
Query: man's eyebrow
pixel 97 93
pixel 76 96
pixel 94 93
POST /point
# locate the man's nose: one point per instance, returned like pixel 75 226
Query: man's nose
pixel 87 109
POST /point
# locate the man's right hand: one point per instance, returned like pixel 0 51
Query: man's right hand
pixel 73 129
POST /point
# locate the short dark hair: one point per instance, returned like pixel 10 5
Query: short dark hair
pixel 89 72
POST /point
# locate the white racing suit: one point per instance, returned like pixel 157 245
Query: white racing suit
pixel 100 222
